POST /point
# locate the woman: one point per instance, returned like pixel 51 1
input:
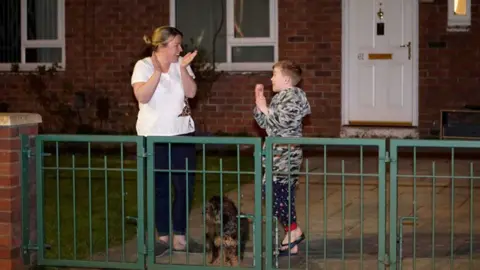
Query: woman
pixel 162 84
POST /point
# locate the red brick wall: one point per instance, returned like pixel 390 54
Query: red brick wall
pixel 11 196
pixel 449 77
pixel 105 37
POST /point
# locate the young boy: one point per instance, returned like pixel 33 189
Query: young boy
pixel 283 118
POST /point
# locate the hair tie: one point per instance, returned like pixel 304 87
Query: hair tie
pixel 147 40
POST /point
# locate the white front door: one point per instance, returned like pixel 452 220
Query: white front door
pixel 379 85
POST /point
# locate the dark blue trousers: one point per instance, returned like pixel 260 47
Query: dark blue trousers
pixel 182 183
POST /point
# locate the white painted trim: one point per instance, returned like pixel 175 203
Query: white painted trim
pixel 172 13
pixel 459 20
pixel 61 33
pixel 378 132
pixel 27 67
pixel 416 56
pixel 274 29
pixel 245 66
pixel 346 57
pixel 42 43
pixel 23 27
pixel 230 17
pixel 232 41
pixel 252 41
pixel 26 43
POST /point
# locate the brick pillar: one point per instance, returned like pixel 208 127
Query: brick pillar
pixel 12 125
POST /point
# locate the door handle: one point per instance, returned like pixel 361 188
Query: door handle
pixel 409 46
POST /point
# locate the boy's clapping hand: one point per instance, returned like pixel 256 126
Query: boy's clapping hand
pixel 260 99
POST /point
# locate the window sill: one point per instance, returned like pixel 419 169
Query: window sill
pixel 245 67
pixel 24 68
pixel 458 28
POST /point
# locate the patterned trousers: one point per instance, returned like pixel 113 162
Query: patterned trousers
pixel 286 165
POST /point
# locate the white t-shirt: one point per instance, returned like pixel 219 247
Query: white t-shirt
pixel 160 116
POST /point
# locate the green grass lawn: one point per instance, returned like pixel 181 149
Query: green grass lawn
pixel 77 227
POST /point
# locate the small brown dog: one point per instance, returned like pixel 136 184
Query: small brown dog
pixel 232 237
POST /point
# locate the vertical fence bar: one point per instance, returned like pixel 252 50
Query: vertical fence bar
pixel 258 209
pixel 470 263
pixel 187 193
pixel 325 198
pixel 382 188
pixel 307 200
pixel 414 204
pixel 452 213
pixel 204 198
pixel 343 214
pixel 289 240
pixel 268 203
pixel 57 182
pixel 90 231
pixel 222 235
pixel 393 204
pixel 239 202
pixel 122 190
pixel 25 199
pixel 170 210
pixel 40 199
pixel 106 207
pixel 150 148
pixel 74 198
pixel 361 207
pixel 141 247
pixel 434 193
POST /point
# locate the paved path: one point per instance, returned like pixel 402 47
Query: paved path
pixel 356 237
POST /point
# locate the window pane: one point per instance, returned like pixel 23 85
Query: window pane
pixel 460 7
pixel 252 18
pixel 253 54
pixel 43 55
pixel 199 20
pixel 10 46
pixel 42 21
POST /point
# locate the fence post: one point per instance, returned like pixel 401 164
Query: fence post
pixel 12 125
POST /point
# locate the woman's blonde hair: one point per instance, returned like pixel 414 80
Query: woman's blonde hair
pixel 161 36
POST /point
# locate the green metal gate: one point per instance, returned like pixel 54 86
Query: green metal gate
pixel 324 143
pixel 440 174
pixel 52 178
pixel 203 143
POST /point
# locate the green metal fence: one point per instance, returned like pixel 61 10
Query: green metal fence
pixel 222 176
pixel 362 204
pixel 320 173
pixel 91 203
pixel 432 207
pixel 75 201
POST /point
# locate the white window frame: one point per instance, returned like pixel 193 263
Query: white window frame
pixel 39 43
pixel 459 23
pixel 233 41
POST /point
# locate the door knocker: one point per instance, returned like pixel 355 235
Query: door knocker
pixel 380 12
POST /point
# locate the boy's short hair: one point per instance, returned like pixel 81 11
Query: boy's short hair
pixel 290 69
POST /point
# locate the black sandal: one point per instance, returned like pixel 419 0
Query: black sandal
pixel 193 247
pixel 285 252
pixel 161 247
